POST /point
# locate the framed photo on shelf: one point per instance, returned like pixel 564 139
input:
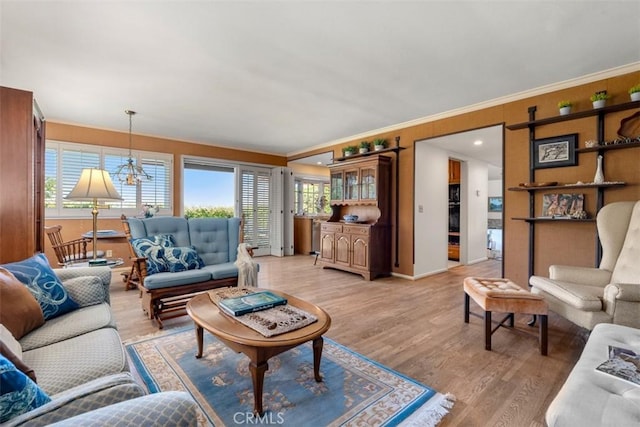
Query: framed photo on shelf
pixel 495 204
pixel 556 205
pixel 555 152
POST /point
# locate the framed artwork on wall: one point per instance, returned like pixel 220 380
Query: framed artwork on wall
pixel 555 152
pixel 556 205
pixel 495 204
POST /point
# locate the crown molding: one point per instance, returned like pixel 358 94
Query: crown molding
pixel 589 78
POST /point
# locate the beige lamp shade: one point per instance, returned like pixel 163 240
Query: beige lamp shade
pixel 94 184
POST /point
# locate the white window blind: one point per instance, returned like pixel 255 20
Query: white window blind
pixel 65 161
pixel 256 209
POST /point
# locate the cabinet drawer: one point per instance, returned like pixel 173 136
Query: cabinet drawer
pixel 361 230
pixel 331 227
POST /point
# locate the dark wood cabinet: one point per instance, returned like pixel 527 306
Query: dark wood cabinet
pixel 359 187
pixel 22 141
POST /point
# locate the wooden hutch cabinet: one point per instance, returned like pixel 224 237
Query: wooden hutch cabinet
pixel 22 141
pixel 359 187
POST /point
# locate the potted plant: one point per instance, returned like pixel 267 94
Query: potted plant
pixel 379 144
pixel 364 147
pixel 565 107
pixel 634 92
pixel 599 99
pixel 349 150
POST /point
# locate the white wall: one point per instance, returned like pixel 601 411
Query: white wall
pixel 474 211
pixel 431 210
pixel 432 224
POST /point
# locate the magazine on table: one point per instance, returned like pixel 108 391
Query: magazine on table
pixel 262 300
pixel 622 363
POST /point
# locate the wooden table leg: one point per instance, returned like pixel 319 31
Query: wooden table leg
pixel 317 355
pixel 199 338
pixel 257 375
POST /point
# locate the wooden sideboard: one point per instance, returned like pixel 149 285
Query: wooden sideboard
pixel 359 187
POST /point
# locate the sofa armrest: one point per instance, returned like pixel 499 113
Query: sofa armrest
pixel 95 394
pixel 104 273
pixel 175 408
pixel 583 275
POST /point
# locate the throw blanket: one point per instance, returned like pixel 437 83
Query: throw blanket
pixel 247 267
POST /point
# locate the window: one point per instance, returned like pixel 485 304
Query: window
pixel 312 197
pixel 65 161
pixel 208 189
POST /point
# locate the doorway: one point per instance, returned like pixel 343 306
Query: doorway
pixel 480 155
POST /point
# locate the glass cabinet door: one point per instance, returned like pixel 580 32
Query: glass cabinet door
pixel 368 183
pixel 351 185
pixel 336 186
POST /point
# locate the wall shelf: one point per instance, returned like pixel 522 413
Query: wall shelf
pixel 608 147
pixel 576 115
pixel 369 153
pixel 568 187
pixel 554 219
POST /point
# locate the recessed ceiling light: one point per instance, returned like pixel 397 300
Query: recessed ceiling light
pixel 319 163
pixel 477 142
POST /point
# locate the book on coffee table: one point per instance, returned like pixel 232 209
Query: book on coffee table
pixel 262 300
pixel 623 364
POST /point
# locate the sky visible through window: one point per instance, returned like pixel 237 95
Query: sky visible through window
pixel 208 188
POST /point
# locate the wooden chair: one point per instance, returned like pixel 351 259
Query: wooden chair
pixel 72 250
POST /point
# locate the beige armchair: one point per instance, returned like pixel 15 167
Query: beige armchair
pixel 610 293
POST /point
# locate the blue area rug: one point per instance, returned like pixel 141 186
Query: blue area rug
pixel 354 390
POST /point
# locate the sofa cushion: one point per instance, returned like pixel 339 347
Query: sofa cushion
pixel 99 393
pixel 222 271
pixel 78 322
pixel 147 247
pixel 167 280
pixel 20 313
pixel 77 360
pixel 582 297
pixel 592 398
pixel 45 286
pixel 177 227
pixel 182 259
pixel 215 239
pixel 18 393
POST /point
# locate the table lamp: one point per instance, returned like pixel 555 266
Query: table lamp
pixel 94 184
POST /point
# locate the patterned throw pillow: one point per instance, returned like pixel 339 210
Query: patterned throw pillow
pixel 44 285
pixel 182 259
pixel 18 393
pixel 151 249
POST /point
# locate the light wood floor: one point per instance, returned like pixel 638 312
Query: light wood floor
pixel 417 328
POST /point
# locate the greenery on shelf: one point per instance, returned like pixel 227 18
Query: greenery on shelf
pixel 380 141
pixel 365 144
pixel 351 149
pixel 634 89
pixel 563 104
pixel 599 96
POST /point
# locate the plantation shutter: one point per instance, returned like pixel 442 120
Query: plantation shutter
pixel 255 208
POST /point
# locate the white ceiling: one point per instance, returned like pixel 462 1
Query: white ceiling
pixel 283 77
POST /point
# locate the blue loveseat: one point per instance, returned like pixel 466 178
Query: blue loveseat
pixel 180 276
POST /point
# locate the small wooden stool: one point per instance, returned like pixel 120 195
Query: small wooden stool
pixel 504 296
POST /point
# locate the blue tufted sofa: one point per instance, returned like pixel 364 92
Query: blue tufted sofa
pixel 216 240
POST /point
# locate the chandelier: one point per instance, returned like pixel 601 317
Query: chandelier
pixel 130 173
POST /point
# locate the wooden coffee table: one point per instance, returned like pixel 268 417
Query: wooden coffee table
pixel 257 347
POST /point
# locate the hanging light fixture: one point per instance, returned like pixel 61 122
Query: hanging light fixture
pixel 129 173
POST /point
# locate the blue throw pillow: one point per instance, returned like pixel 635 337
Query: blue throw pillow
pixel 149 248
pixel 18 393
pixel 44 285
pixel 182 259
